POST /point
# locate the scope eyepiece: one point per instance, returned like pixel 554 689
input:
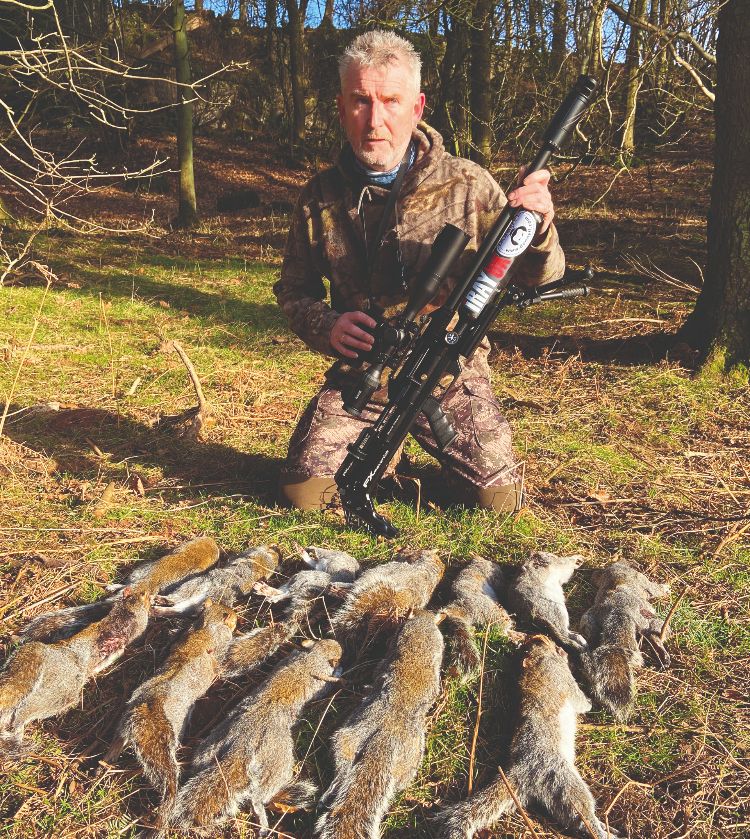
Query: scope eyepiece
pixel 355 401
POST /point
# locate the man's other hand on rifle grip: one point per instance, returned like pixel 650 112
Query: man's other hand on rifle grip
pixel 347 336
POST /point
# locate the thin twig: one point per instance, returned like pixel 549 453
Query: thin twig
pixel 524 815
pixel 109 342
pixel 730 537
pixel 479 711
pixel 612 183
pixel 198 416
pixel 672 609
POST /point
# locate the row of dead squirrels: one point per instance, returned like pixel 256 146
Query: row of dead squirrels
pixel 248 759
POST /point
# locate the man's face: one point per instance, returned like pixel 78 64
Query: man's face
pixel 379 110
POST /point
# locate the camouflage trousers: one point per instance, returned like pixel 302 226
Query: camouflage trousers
pixel 480 457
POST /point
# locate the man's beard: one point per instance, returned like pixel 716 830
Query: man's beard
pixel 377 158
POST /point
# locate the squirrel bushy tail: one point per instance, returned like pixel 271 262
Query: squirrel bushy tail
pixel 63 623
pixel 609 671
pixel 483 808
pixel 299 795
pixel 208 797
pixel 21 677
pixel 153 740
pixel 11 747
pixel 249 651
pixel 357 800
pixel 462 648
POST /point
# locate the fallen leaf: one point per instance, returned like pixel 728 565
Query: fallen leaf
pixel 105 501
pixel 601 495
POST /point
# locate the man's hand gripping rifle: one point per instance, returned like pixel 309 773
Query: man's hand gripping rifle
pixel 420 358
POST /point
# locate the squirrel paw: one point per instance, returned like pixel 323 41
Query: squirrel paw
pixel 577 641
pixel 269 592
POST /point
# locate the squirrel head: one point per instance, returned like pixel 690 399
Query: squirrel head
pixel 219 613
pixel 540 645
pixel 135 594
pixel 545 559
pixel 264 557
pixel 331 649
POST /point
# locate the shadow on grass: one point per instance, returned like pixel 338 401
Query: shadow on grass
pixel 248 314
pixel 633 350
pixel 65 436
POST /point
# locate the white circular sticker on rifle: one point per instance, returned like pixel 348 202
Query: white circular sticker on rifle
pixel 518 236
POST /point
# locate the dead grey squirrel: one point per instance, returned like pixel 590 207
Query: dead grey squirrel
pixel 536 595
pixel 43 680
pixel 188 559
pixel 384 594
pixel 297 596
pixel 228 584
pixel 378 750
pixel 621 614
pixel 540 768
pixel 326 567
pixel 475 601
pixel 159 709
pixel 249 758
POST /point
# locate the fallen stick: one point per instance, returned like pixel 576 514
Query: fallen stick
pixel 197 416
pixel 524 815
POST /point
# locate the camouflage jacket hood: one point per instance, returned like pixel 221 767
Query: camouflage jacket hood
pixel 327 239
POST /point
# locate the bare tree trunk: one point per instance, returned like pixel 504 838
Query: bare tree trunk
pixel 592 57
pixel 328 14
pixel 243 11
pixel 187 212
pixel 633 80
pixel 720 323
pixel 534 21
pixel 508 24
pixel 559 35
pixel 452 112
pixel 480 77
pixel 296 12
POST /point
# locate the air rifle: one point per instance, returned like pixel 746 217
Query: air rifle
pixel 420 356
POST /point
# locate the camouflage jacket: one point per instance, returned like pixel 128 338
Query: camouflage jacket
pixel 327 240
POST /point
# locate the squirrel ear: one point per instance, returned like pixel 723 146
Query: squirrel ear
pixel 307 643
pixel 207 603
pixel 127 591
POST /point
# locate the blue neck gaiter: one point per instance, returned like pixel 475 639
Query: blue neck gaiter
pixel 383 179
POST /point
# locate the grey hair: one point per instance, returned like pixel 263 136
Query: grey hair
pixel 379 48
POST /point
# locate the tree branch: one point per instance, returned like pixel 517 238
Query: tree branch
pixel 681 35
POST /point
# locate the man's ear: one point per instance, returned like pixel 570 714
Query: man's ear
pixel 419 107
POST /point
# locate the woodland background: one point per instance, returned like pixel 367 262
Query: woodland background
pixel 149 158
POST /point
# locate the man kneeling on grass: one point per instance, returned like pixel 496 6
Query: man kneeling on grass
pixel 367 225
